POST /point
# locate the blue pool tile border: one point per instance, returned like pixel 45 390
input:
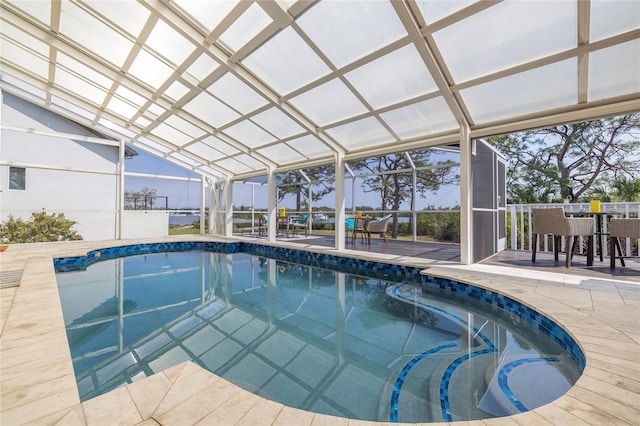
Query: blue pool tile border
pixel 370 268
pixel 503 379
pixel 67 264
pixel 513 307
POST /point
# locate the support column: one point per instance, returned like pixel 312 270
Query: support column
pixel 228 204
pixel 120 201
pixel 203 188
pixel 271 205
pixel 466 196
pixel 219 211
pixel 340 202
pixel 212 205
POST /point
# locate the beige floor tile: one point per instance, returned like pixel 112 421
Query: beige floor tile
pixel 606 405
pixel 197 406
pixel 324 420
pixel 189 383
pixel 502 421
pixel 617 340
pixel 148 422
pixel 37 392
pixel 264 412
pixel 232 410
pixel 558 416
pixel 606 389
pixel 20 377
pixel 607 296
pixel 42 407
pixel 113 408
pixel 586 412
pixel 633 336
pixel 6 299
pixel 31 354
pixel 607 360
pixel 172 373
pixel 148 393
pixel 630 288
pixel 611 351
pixel 525 419
pixel 73 416
pixel 628 381
pixel 353 422
pixel 574 297
pixel 585 325
pixel 291 416
pixel 630 371
pixel 624 318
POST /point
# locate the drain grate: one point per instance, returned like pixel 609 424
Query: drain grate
pixel 10 278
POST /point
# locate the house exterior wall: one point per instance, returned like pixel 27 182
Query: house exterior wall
pixel 63 175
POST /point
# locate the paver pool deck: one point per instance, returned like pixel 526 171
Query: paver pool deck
pixel 37 383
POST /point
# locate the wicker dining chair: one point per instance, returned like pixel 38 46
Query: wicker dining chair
pixel 621 228
pixel 552 221
pixel 379 226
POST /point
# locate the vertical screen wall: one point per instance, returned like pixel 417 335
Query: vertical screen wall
pixel 489 201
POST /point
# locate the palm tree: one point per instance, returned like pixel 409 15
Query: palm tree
pixel 599 193
pixel 626 189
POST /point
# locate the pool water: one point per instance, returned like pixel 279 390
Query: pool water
pixel 308 337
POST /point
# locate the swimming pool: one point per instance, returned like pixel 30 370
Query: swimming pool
pixel 394 346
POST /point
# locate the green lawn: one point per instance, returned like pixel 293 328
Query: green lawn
pixel 184 231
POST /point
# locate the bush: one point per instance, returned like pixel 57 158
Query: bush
pixel 41 227
pixel 196 224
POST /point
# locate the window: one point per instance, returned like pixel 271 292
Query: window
pixel 18 178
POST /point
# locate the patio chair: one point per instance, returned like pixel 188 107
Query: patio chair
pixel 379 226
pixel 621 228
pixel 552 221
pixel 355 226
pixel 302 223
pixel 263 224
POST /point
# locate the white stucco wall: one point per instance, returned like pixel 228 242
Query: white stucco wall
pixel 63 175
pixel 145 224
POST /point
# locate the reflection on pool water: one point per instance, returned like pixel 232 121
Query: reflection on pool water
pixel 308 337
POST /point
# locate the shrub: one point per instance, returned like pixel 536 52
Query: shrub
pixel 40 227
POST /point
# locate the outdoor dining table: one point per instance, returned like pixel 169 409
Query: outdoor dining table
pixel 360 226
pixel 599 233
pixel 285 221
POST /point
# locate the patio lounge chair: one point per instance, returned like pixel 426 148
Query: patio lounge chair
pixel 379 226
pixel 621 228
pixel 552 221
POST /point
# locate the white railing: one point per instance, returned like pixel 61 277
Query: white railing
pixel 519 218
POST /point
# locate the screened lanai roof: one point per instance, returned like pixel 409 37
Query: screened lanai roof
pixel 237 88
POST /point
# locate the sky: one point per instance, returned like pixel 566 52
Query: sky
pixel 186 195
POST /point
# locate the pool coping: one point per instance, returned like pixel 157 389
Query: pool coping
pixel 601 315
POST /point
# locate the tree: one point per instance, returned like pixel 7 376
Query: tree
pixel 626 189
pixel 132 200
pixel 140 200
pixel 294 182
pixel 392 178
pixel 149 197
pixel 568 161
